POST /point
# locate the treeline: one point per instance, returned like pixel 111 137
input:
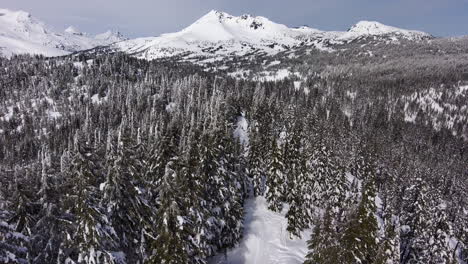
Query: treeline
pixel 110 159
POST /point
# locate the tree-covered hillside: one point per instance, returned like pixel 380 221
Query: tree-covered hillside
pixel 111 159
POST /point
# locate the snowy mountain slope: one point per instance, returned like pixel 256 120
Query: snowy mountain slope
pixel 373 28
pixel 220 34
pixel 216 33
pixel 265 239
pixel 22 33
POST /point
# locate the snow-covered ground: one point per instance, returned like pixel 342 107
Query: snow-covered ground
pixel 444 106
pixel 265 240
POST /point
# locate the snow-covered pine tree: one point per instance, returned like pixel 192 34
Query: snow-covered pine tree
pixel 49 229
pixel 359 240
pixel 441 233
pixel 208 169
pixel 171 238
pixel 297 178
pixel 13 245
pixel 323 245
pixel 90 237
pixel 198 213
pixel 231 194
pixel 259 138
pixel 328 184
pixel 276 192
pixel 389 248
pixel 124 191
pixel 23 215
pixel 416 218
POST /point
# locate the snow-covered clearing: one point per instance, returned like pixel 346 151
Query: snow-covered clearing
pixel 265 240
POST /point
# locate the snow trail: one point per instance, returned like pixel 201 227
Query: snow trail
pixel 265 240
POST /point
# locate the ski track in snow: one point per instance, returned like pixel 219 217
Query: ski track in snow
pixel 265 240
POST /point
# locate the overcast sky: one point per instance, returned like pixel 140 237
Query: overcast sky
pixel 136 18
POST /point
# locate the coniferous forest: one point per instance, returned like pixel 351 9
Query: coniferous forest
pixel 112 159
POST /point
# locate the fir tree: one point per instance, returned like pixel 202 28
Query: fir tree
pixel 416 237
pixel 359 240
pixel 441 233
pixel 92 236
pixel 297 177
pixel 323 245
pixel 170 242
pixel 124 192
pixel 13 245
pixel 389 248
pixel 275 194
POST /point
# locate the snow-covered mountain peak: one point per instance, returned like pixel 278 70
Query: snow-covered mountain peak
pixel 375 28
pixel 20 32
pixel 15 15
pixel 218 34
pixel 19 21
pixel 371 27
pixel 222 17
pixel 74 31
pixel 111 36
pixel 220 26
pixel 307 30
pixel 214 15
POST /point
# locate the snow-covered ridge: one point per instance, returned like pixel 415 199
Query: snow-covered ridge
pixel 373 28
pixel 216 34
pixel 21 33
pixel 219 34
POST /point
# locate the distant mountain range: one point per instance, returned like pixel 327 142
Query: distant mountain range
pixel 217 34
pixel 22 33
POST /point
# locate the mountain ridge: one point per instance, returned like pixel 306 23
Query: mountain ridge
pixel 219 34
pixel 20 33
pixel 216 34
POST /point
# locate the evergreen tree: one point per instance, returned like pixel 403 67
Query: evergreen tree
pixel 359 240
pixel 297 178
pixel 197 211
pixel 276 192
pixel 441 232
pixel 323 245
pixel 170 243
pixel 389 248
pixel 92 237
pixel 416 237
pixel 233 204
pixel 13 248
pixel 49 229
pixel 124 192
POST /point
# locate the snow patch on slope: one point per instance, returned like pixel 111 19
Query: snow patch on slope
pixel 265 239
